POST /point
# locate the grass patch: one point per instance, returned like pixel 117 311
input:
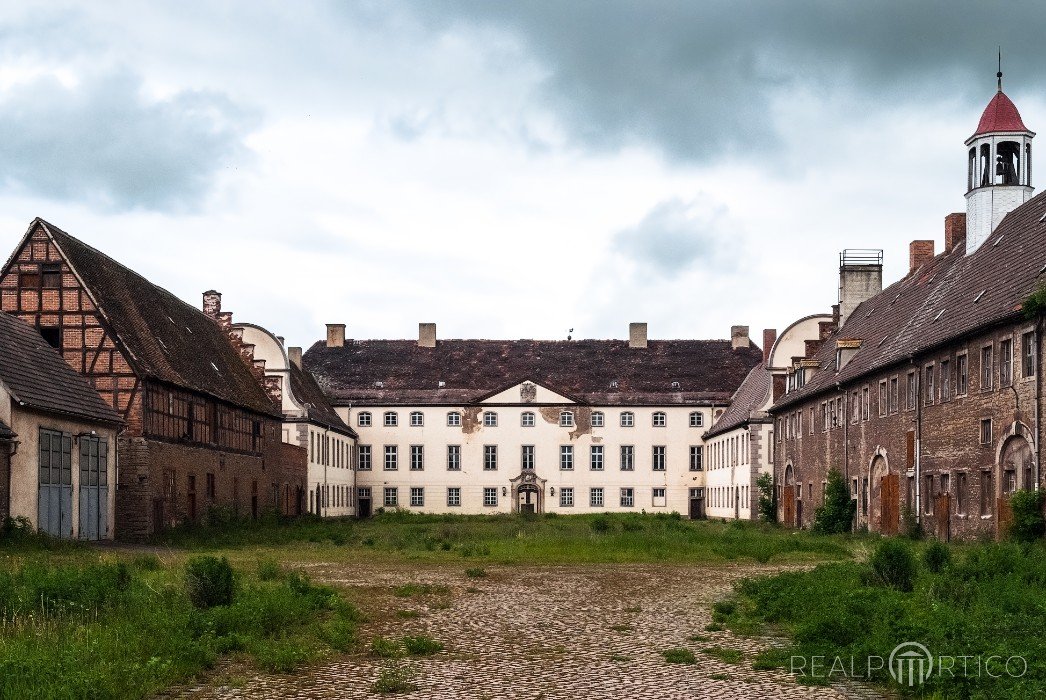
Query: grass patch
pixel 697 638
pixel 620 658
pixel 476 572
pixel 679 655
pixel 394 678
pixel 421 645
pixel 415 590
pixel 730 656
pixel 622 628
pixel 408 614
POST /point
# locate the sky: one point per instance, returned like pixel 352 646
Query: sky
pixel 525 169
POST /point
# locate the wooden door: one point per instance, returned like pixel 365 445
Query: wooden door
pixel 889 493
pixel 1005 517
pixel 942 511
pixel 788 516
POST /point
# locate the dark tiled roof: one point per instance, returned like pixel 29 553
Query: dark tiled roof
pixel 5 432
pixel 951 296
pixel 167 339
pixel 318 408
pixel 707 370
pixel 38 377
pixel 752 393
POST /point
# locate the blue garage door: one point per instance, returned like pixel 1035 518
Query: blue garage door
pixel 55 506
pixel 94 488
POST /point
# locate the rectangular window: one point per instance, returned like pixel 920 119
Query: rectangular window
pixel 391 458
pixel 628 458
pixel 391 419
pixel 855 410
pixel 597 419
pixel 659 500
pixel 910 399
pixel 660 420
pixel 928 390
pixel 210 485
pixel 417 496
pixel 363 457
pixel 363 420
pixel 454 458
pixel 962 375
pixel 946 380
pixel 866 406
pixel 454 419
pixel 51 275
pixel 987 365
pixel 696 458
pixel 987 493
pixel 391 497
pixel 417 458
pixel 1005 362
pixel 628 498
pixel 595 497
pixel 883 404
pixel 960 493
pixel 490 497
pixel 566 497
pixel 893 395
pixel 1028 353
pixel 658 460
pixel 490 457
pixel 928 496
pixel 595 458
pixel 527 419
pixel 566 457
pixel 527 457
pixel 490 419
pixel 417 419
pixel 628 419
pixel 986 431
pixel 566 419
pixel 454 496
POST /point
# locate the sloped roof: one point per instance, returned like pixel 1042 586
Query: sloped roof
pixel 707 370
pixel 38 377
pixel 167 339
pixel 1000 115
pixel 752 393
pixel 317 407
pixel 952 295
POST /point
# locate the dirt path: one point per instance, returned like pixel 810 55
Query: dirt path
pixel 562 632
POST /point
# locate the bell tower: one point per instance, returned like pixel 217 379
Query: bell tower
pixel 998 177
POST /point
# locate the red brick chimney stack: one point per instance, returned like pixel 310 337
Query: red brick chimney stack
pixel 769 338
pixel 954 231
pixel 919 253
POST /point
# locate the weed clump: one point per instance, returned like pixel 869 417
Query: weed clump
pixel 937 557
pixel 678 655
pixel 893 564
pixel 209 581
pixel 1028 523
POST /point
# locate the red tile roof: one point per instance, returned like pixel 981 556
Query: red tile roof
pixel 1000 115
pixel 707 370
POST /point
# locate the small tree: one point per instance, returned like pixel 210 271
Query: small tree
pixel 767 498
pixel 1028 523
pixel 836 514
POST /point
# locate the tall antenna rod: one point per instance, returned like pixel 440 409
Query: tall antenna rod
pixel 999 74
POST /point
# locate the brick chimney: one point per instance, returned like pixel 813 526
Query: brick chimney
pixel 919 253
pixel 637 335
pixel 335 335
pixel 954 231
pixel 769 338
pixel 212 304
pixel 294 355
pixel 739 337
pixel 426 335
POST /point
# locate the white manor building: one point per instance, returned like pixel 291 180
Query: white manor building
pixel 482 426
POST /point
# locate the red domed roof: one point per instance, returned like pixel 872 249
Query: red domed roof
pixel 1000 115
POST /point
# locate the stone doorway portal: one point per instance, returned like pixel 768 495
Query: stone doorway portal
pixel 528 493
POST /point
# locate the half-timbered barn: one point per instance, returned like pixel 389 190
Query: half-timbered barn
pixel 200 431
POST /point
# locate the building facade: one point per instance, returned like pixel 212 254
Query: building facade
pixel 478 426
pixel 200 432
pixel 928 398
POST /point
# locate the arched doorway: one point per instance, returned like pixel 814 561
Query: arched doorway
pixel 528 493
pixel 885 497
pixel 1015 470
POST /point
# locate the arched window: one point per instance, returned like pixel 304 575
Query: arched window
pixel 971 175
pixel 453 418
pixel 1027 164
pixel 417 418
pixel 697 419
pixel 597 419
pixel 1008 163
pixel 660 420
pixel 566 419
pixel 985 165
pixel 363 419
pixel 392 419
pixel 527 419
pixel 628 419
pixel 490 419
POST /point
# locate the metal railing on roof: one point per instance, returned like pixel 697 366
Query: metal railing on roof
pixel 860 256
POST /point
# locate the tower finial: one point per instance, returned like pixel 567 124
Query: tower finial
pixel 999 74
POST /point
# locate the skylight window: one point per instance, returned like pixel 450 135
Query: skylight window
pixel 998 240
pixel 978 297
pixel 215 368
pixel 938 316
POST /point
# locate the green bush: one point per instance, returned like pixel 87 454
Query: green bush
pixel 937 557
pixel 421 645
pixel 386 648
pixel 910 525
pixel 600 524
pixel 893 564
pixel 209 581
pixel 836 514
pixel 767 498
pixel 269 570
pixel 1028 523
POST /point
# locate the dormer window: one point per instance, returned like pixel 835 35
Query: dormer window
pixel 613 384
pixel 675 386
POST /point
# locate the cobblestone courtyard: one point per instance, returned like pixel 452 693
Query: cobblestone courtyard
pixel 590 631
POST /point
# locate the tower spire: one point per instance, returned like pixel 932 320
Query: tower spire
pixel 999 74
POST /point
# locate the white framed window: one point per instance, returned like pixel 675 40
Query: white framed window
pixel 453 419
pixel 697 419
pixel 363 419
pixel 628 497
pixel 454 496
pixel 986 431
pixel 1028 354
pixel 595 458
pixel 659 419
pixel 962 374
pixel 392 419
pixel 490 496
pixel 697 455
pixel 659 500
pixel 453 458
pixel 363 456
pixel 392 498
pixel 595 497
pixel 628 419
pixel 527 419
pixel 527 457
pixel 417 496
pixel 490 458
pixel 597 419
pixel 566 457
pixel 417 419
pixel 566 419
pixel 628 458
pixel 490 419
pixel 987 368
pixel 566 497
pixel 391 458
pixel 658 459
pixel 417 458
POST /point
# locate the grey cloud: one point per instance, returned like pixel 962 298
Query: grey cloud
pixel 102 142
pixel 699 80
pixel 676 236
